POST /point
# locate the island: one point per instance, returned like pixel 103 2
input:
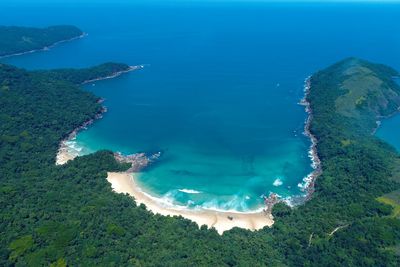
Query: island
pixel 20 40
pixel 67 215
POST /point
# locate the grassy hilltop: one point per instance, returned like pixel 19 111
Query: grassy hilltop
pixel 344 223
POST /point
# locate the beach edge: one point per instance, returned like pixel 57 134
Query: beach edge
pixel 124 182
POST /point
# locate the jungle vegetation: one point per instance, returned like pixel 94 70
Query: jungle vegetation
pixel 15 40
pixel 68 215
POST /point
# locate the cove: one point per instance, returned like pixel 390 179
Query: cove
pixel 219 91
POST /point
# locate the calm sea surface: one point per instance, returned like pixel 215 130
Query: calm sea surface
pixel 219 91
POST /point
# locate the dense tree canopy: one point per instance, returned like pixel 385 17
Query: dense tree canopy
pixel 16 40
pixel 68 214
pixel 343 224
pixel 79 76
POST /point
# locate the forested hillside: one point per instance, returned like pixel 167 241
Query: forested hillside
pixel 343 224
pixel 15 40
pixel 68 215
pixel 79 76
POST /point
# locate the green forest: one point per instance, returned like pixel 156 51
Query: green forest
pixel 79 76
pixel 15 40
pixel 68 215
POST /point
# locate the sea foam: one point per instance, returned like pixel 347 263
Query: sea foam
pixel 277 182
pixel 189 191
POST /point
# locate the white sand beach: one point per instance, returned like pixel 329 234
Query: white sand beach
pixel 123 182
pixel 63 155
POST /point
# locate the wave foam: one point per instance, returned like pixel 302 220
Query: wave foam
pixel 189 191
pixel 277 182
pixel 235 205
pixel 238 204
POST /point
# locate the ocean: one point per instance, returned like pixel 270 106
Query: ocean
pixel 219 92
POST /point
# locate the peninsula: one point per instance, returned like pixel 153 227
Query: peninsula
pixel 21 40
pixel 68 214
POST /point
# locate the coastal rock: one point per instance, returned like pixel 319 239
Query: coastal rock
pixel 63 154
pixel 308 183
pixel 139 161
pixel 269 202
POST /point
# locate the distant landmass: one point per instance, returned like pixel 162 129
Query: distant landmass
pixel 81 76
pixel 68 215
pixel 18 40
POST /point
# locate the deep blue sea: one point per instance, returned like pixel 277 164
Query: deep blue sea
pixel 220 89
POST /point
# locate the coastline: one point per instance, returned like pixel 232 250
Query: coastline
pixel 115 74
pixel 380 118
pixel 309 180
pixel 124 182
pixel 63 154
pixel 45 48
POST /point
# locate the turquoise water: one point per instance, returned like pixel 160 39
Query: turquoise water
pixel 219 92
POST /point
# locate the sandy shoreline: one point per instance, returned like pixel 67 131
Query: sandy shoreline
pixel 64 153
pixel 124 182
